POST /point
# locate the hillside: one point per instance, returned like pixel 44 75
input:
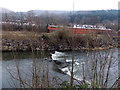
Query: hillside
pixel 107 18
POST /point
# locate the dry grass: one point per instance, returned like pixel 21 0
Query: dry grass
pixel 21 35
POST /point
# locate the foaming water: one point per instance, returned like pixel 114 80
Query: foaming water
pixel 87 60
pixel 82 59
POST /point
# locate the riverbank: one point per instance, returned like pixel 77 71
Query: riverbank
pixel 36 45
pixel 60 41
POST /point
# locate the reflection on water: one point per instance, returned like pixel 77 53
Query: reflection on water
pixel 25 62
pixel 86 59
pixel 24 55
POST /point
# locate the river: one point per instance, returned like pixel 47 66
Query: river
pixel 83 67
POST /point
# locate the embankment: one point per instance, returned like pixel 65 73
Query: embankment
pixel 61 41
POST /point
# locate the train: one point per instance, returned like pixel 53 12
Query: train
pixel 80 29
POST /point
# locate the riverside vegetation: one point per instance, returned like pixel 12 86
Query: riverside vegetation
pixel 60 40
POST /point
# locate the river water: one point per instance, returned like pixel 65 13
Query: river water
pixel 84 65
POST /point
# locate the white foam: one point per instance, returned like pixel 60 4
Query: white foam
pixel 68 60
pixel 57 55
pixel 66 70
pixel 77 63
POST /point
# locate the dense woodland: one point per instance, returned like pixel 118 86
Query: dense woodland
pixel 37 20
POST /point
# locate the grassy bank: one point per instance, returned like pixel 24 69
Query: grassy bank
pixel 59 40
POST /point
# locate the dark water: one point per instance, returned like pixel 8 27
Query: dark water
pixel 82 59
pixel 25 62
